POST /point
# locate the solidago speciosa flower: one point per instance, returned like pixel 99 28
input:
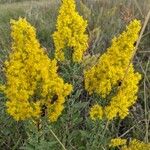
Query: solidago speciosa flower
pixel 96 112
pixel 70 37
pixel 110 69
pixel 136 145
pixel 31 77
pixel 117 142
pixel 125 97
pixel 132 145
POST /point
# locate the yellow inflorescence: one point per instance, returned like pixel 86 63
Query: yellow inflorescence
pixel 105 76
pixel 117 142
pixel 125 97
pixel 32 79
pixel 96 112
pixel 136 145
pixel 132 145
pixel 70 34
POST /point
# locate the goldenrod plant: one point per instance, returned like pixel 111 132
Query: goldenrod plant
pixel 108 74
pixel 74 75
pixel 32 81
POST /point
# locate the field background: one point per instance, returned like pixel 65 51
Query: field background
pixel 106 19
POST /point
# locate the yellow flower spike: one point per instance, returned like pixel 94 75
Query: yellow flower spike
pixel 109 72
pixel 125 96
pixel 70 32
pixel 32 78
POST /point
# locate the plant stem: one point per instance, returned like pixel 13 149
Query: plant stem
pixel 57 139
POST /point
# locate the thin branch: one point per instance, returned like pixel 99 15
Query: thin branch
pixel 130 129
pixel 138 7
pixel 57 139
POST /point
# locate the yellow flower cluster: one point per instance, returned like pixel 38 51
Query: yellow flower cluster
pixel 70 34
pixel 136 145
pixel 125 97
pixel 132 145
pixel 109 72
pixel 96 112
pixel 117 142
pixel 32 79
